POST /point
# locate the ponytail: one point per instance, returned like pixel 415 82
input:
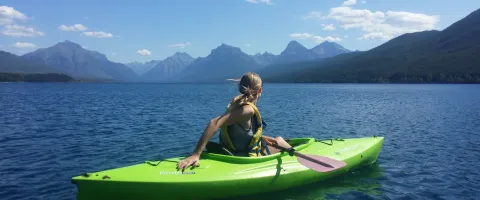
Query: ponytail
pixel 249 87
pixel 242 99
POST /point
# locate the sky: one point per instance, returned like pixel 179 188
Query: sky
pixel 141 30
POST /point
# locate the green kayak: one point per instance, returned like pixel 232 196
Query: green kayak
pixel 220 175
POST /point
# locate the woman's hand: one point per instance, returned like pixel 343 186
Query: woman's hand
pixel 270 140
pixel 192 160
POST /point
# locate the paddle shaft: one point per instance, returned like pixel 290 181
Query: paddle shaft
pixel 291 152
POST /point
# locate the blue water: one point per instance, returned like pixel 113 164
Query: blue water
pixel 51 132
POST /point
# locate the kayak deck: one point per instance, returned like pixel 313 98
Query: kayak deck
pixel 220 176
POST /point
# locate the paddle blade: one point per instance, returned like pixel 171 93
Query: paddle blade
pixel 320 163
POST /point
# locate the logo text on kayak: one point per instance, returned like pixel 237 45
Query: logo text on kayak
pixel 176 173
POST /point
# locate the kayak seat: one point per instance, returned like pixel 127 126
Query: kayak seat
pixel 213 147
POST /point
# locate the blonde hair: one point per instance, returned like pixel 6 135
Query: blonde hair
pixel 249 88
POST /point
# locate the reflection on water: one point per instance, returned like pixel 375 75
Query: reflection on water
pixel 362 183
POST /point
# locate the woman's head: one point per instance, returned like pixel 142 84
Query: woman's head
pixel 250 83
pixel 250 88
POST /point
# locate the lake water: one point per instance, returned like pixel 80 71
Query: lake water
pixel 51 132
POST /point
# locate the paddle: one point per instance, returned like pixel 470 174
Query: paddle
pixel 314 162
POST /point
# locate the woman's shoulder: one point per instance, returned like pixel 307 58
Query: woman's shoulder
pixel 250 108
pixel 246 109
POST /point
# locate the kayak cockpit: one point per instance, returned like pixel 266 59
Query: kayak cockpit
pixel 216 152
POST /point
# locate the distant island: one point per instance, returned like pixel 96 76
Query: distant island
pixel 447 56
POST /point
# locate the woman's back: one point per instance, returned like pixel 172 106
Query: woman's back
pixel 241 136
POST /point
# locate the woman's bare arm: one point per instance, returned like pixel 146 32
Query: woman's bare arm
pixel 237 115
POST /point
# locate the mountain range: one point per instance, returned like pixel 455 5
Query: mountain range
pixel 15 64
pixel 168 69
pixel 227 61
pixel 265 58
pixel 142 68
pixel 222 63
pixel 447 56
pixel 76 61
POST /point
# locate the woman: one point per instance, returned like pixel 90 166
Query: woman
pixel 241 126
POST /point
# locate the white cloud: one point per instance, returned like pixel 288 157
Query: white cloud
pixel 328 27
pixel 8 15
pixel 181 45
pixel 349 2
pixel 380 25
pixel 98 34
pixel 314 15
pixel 75 27
pixel 85 47
pixel 346 36
pixel 248 45
pixel 268 2
pixel 301 36
pixel 364 2
pixel 20 31
pixel 24 45
pixel 144 52
pixel 317 39
pixel 421 21
pixel 354 18
pixel 375 35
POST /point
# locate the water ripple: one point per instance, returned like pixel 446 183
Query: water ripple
pixel 51 132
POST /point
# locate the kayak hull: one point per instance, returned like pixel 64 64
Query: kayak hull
pixel 223 176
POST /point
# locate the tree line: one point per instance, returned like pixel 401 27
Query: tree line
pixel 49 77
